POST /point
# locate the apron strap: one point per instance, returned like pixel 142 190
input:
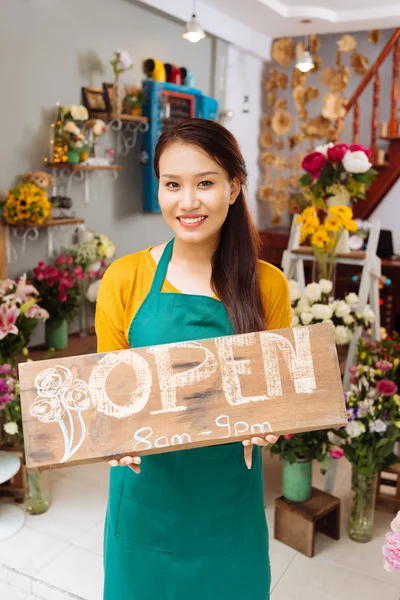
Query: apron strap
pixel 162 268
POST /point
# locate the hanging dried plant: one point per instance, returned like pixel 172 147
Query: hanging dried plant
pixel 267 159
pixel 271 99
pixel 300 96
pixel 295 140
pixel 316 129
pixel 333 107
pixel 280 184
pixel 294 181
pixel 338 60
pixel 270 82
pixel 312 93
pixel 347 43
pixel 374 36
pixel 266 139
pixel 266 121
pixel 298 78
pixel 265 192
pixel 360 63
pixel 279 144
pixel 335 80
pixel 297 160
pixel 276 220
pixel 317 63
pixel 314 43
pixel 281 162
pixel 300 48
pixel 280 203
pixel 281 104
pixel 283 51
pixel 302 113
pixel 282 81
pixel 281 122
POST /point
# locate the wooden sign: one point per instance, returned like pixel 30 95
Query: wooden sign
pixel 141 401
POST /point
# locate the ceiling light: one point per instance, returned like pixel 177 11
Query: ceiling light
pixel 305 62
pixel 193 30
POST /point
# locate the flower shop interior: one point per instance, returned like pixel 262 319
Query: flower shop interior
pixel 311 92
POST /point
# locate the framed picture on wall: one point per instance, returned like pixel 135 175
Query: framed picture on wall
pixel 94 100
pixel 108 95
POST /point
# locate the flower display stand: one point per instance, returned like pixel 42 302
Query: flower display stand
pixel 12 517
pixel 293 267
pixel 389 477
pixel 296 523
pixel 16 486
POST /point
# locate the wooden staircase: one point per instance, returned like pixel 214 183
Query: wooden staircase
pixel 389 171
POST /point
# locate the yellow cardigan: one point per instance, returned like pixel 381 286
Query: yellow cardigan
pixel 128 280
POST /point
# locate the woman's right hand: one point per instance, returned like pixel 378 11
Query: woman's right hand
pixel 132 462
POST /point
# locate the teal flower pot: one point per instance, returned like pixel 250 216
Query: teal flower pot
pixel 297 480
pixel 73 157
pixel 56 333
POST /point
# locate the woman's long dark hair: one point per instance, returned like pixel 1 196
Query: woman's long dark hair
pixel 234 267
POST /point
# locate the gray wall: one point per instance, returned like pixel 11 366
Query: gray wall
pixel 48 51
pixel 328 54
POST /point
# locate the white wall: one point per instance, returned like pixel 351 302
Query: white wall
pixel 244 77
pixel 389 214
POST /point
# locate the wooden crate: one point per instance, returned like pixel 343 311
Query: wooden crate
pixel 383 499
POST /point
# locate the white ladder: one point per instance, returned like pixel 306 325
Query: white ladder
pixel 293 267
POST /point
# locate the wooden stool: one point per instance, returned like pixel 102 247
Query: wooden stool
pixel 384 500
pixel 296 523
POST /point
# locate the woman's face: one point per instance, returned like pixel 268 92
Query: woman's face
pixel 194 193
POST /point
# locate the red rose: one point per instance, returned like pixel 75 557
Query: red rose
pixel 41 265
pixel 313 163
pixel 386 387
pixel 80 276
pixel 358 147
pixel 60 260
pixel 336 452
pixel 337 153
pixel 69 260
pixel 288 436
pixel 62 297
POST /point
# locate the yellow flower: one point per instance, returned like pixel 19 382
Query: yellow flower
pixel 356 188
pixel 350 225
pixel 306 214
pixel 320 238
pixel 333 224
pixel 343 212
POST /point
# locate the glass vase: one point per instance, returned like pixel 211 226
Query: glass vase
pixel 37 500
pixel 361 520
pixel 297 480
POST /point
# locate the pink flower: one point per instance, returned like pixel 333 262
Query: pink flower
pixel 125 60
pixel 8 318
pixel 5 399
pixel 41 265
pixel 62 297
pixel 337 153
pixel 358 147
pixel 386 387
pixel 50 282
pixel 336 452
pixel 80 276
pixel 5 368
pixel 69 260
pixel 62 287
pixel 353 380
pixel 391 551
pixel 23 290
pixel 60 260
pixel 99 274
pixel 288 436
pixel 78 269
pixel 313 163
pixel 395 524
pixel 92 274
pixel 36 312
pixel 39 276
pixel 353 370
pixel 384 365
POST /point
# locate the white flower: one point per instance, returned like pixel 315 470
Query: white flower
pixel 295 320
pixel 355 428
pixel 93 290
pixel 324 149
pixel 342 309
pixel 321 311
pixel 377 426
pixel 352 299
pixel 306 318
pixel 99 127
pixel 369 314
pixel 125 60
pixel 348 320
pixel 294 290
pixel 71 127
pixel 79 113
pixel 96 266
pixel 326 286
pixel 356 162
pixel 303 305
pixel 364 408
pixel 342 335
pixel 11 428
pixel 313 292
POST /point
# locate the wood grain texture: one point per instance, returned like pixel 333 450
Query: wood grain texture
pixel 95 407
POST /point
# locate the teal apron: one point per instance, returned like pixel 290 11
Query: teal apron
pixel 191 525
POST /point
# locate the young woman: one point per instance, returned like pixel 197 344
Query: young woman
pixel 190 524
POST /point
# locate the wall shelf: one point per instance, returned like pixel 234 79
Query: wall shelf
pixel 81 167
pixel 123 117
pixel 25 233
pixel 65 173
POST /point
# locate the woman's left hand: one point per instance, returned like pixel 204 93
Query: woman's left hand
pixel 256 441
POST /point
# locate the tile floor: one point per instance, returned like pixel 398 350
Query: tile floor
pixel 58 555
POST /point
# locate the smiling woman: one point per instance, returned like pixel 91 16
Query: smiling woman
pixel 191 516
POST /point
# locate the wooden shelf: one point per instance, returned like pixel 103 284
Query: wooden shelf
pixel 76 346
pixel 388 138
pixel 80 167
pixel 125 118
pixel 51 223
pixel 358 254
pixel 380 166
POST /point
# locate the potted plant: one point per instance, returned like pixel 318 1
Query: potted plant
pixel 58 286
pixel 26 204
pixel 120 63
pixel 134 101
pixel 297 453
pixel 373 408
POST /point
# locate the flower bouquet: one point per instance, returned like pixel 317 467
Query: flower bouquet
pixel 134 101
pixel 75 139
pixel 75 112
pixel 391 549
pixel 59 286
pixel 368 440
pixel 316 306
pixel 26 204
pixel 10 402
pixel 120 63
